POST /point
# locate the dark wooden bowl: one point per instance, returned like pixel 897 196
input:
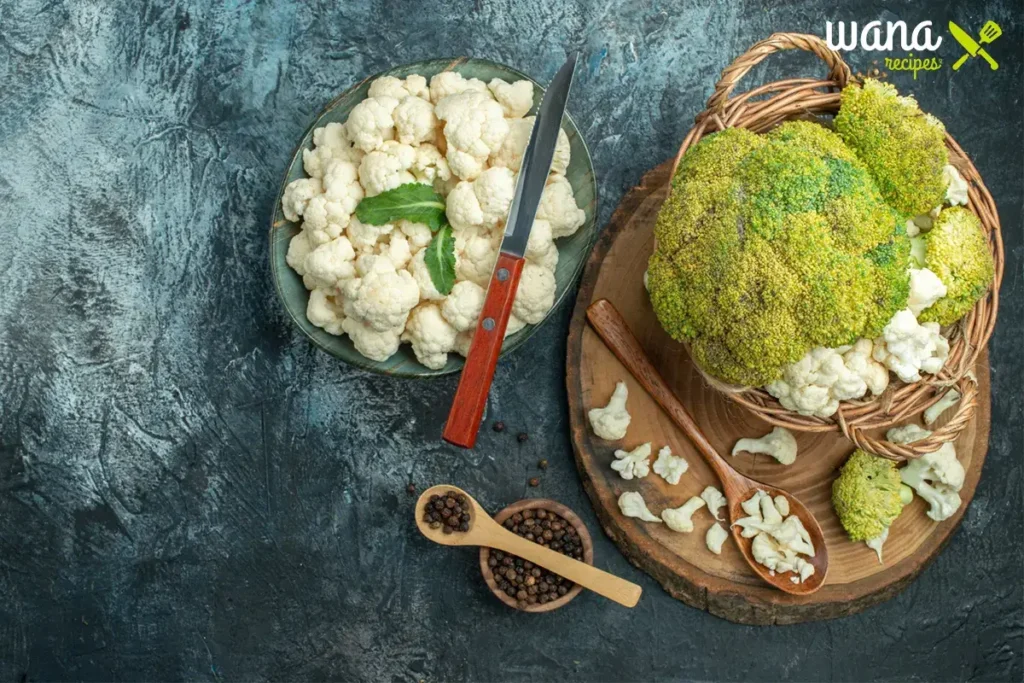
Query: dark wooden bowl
pixel 563 512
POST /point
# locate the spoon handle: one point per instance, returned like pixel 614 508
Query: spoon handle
pixel 610 326
pixel 610 586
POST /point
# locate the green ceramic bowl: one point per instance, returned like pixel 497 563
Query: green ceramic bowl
pixel 572 251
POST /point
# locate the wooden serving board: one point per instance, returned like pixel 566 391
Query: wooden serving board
pixel 724 585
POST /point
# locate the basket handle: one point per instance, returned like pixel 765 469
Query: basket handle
pixel 838 70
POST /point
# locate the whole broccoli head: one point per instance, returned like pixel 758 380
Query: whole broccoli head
pixel 866 496
pixel 903 147
pixel 956 250
pixel 771 245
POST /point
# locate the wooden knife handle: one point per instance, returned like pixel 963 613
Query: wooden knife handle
pixel 471 397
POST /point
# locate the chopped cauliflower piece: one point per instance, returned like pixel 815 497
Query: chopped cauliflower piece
pixel 536 294
pixel 715 500
pixel 298 249
pixel 399 89
pixel 482 204
pixel 948 400
pixel 925 289
pixel 610 422
pixel 382 298
pixel 630 464
pixel 540 248
pixel 558 207
pixel 515 99
pixel 782 505
pixel 715 537
pixel 937 477
pixel 462 307
pixel 374 344
pixel 474 127
pixel 365 236
pixel 419 235
pixel 908 433
pixel 956 187
pixel 421 274
pixel 632 504
pixel 324 312
pixel 780 444
pixel 877 542
pixel 681 518
pixel 297 194
pixel 370 123
pixel 816 383
pixel 330 265
pixel 341 185
pixel 510 154
pixel 430 166
pixel 670 467
pixel 415 121
pixel 453 83
pixel 430 335
pixel 909 348
pixel 778 542
pixel 386 168
pixel 476 261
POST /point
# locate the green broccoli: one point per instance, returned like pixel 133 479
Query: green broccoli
pixel 904 148
pixel 956 250
pixel 771 245
pixel 867 495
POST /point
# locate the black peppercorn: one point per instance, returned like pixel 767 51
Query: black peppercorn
pixel 522 437
pixel 535 482
pixel 499 426
pixel 543 464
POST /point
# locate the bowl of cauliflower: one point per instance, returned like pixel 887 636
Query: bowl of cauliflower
pixel 389 219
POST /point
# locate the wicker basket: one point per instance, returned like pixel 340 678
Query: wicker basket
pixel 861 421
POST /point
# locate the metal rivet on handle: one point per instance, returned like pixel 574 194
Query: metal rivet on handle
pixel 488 324
pixel 502 274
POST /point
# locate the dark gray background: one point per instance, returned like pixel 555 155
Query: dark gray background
pixel 189 489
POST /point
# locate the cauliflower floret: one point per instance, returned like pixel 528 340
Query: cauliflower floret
pixel 816 383
pixel 419 235
pixel 681 518
pixel 956 186
pixel 298 249
pixel 948 400
pixel 430 166
pixel 329 265
pixel 364 236
pixel 386 168
pixel 780 444
pixel 452 83
pixel 341 184
pixel 382 298
pixel 611 422
pixel 390 86
pixel 474 128
pixel 324 220
pixel 515 98
pixel 510 154
pixel 630 464
pixel 475 262
pixel 332 135
pixel 415 121
pixel 908 433
pixel 670 467
pixel 514 325
pixel 370 123
pixel 324 312
pixel 558 207
pixel 420 273
pixel 396 249
pixel 925 289
pixel 632 504
pixel 536 294
pixel 877 542
pixel 462 306
pixel 315 161
pixel 909 348
pixel 777 542
pixel 374 344
pixel 715 537
pixel 430 335
pixel 937 477
pixel 540 248
pixel 463 208
pixel 858 360
pixel 715 500
pixel 297 194
pixel 482 204
pixel 463 342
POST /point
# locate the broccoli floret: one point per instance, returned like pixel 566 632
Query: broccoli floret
pixel 956 250
pixel 867 496
pixel 903 148
pixel 769 246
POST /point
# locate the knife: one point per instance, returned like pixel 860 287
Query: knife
pixel 972 47
pixel 475 383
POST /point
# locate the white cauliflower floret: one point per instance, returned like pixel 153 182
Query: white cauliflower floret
pixel 715 500
pixel 611 421
pixel 482 204
pixel 374 344
pixel 315 161
pixel 332 136
pixel 956 186
pixel 419 235
pixel 462 306
pixel 476 262
pixel 396 249
pixel 908 433
pixel 780 444
pixel 415 121
pixel 925 289
pixel 514 325
pixel 558 207
pixel 877 542
pixel 858 360
pixel 463 342
pixel 630 464
pixel 297 194
pixel 370 123
pixel 329 265
pixel 937 477
pixel 540 248
pixel 777 542
pixel 715 538
pixel 341 184
pixel 364 236
pixel 463 208
pixel 816 383
pixel 386 168
pixel 515 99
pixel 536 294
pixel 909 348
pixel 324 312
pixel 390 86
pixel 782 505
pixel 632 504
pixel 948 400
pixel 430 335
pixel 452 83
pixel 510 154
pixel 324 220
pixel 474 128
pixel 421 274
pixel 298 249
pixel 681 518
pixel 430 165
pixel 382 298
pixel 670 467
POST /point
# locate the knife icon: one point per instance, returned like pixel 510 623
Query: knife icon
pixel 475 383
pixel 989 32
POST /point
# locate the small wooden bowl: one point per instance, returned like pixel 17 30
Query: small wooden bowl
pixel 563 512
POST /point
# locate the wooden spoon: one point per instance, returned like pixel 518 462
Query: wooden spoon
pixel 610 326
pixel 484 531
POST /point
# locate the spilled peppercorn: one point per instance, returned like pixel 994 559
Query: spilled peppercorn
pixel 449 512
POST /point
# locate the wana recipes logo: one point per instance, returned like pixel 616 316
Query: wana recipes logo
pixel 897 35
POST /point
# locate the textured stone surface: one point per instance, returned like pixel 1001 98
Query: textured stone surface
pixel 188 489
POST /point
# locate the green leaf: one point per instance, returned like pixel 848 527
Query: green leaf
pixel 413 201
pixel 440 260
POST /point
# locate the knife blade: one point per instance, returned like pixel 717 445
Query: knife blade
pixel 475 383
pixel 964 38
